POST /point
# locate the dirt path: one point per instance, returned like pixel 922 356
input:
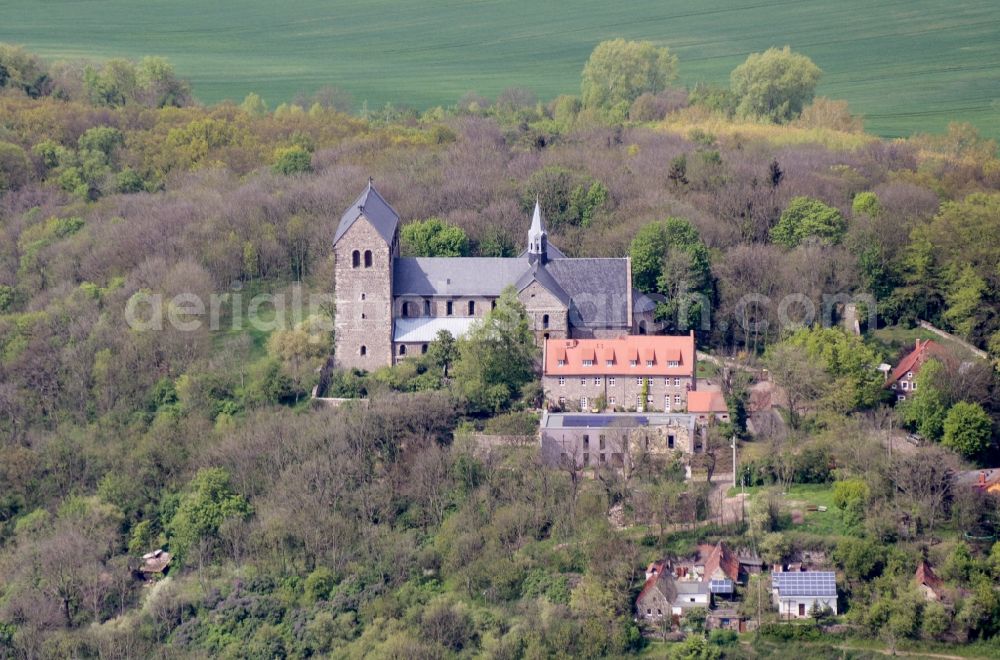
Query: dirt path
pixel 898 652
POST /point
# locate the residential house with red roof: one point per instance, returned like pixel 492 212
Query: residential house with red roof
pixel 903 378
pixel 986 480
pixel 631 372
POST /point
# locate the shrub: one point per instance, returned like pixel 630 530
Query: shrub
pixel 292 160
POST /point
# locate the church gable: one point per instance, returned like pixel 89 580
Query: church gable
pixel 536 297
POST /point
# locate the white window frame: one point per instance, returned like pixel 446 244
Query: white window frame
pixel 611 401
pixel 561 363
pixel 611 381
pixel 677 399
pixel 583 403
pixel 677 382
pixel 588 363
pixel 673 363
pixel 562 381
pixel 638 380
pixel 633 363
pixel 609 363
pixel 583 380
pixel 905 385
pixel 597 380
pixel 649 363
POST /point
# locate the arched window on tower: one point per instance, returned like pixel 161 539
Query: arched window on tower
pixel 368 258
pixel 472 308
pixel 355 259
pixel 364 350
pixel 402 349
pixel 427 308
pixel 545 320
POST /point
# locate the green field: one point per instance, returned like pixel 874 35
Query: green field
pixel 907 65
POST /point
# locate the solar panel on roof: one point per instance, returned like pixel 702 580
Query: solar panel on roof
pixel 810 583
pixel 721 586
pixel 603 421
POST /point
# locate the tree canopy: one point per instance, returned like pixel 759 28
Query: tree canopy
pixel 619 71
pixel 924 410
pixel 669 258
pixel 854 382
pixel 804 218
pixel 496 358
pixel 774 85
pixel 433 238
pixel 967 429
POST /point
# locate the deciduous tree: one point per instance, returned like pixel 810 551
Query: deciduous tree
pixel 774 85
pixel 967 429
pixel 619 71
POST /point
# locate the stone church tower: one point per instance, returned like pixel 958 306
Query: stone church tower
pixel 366 243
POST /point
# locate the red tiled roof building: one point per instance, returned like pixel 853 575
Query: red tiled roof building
pixel 580 373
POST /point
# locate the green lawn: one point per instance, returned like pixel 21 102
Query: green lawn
pixel 800 496
pixel 906 64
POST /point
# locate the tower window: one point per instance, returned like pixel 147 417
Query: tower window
pixel 355 259
pixel 427 308
pixel 402 349
pixel 364 350
pixel 493 304
pixel 545 320
pixel 362 296
pixel 472 308
pixel 423 349
pixel 368 258
pixel 406 309
pixel 449 308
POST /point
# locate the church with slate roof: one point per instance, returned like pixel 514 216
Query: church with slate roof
pixel 391 307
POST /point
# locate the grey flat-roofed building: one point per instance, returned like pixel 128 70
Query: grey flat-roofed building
pixel 593 440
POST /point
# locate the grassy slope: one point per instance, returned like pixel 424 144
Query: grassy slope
pixel 906 64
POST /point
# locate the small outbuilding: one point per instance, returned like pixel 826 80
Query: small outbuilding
pixel 155 563
pixel 930 585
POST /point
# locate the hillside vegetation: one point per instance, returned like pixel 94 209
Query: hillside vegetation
pixel 908 66
pixel 379 529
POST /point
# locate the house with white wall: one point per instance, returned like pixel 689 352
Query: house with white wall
pixel 798 593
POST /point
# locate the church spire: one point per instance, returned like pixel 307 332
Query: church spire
pixel 537 237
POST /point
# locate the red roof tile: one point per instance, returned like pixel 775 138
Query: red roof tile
pixel 722 558
pixel 707 401
pixel 623 351
pixel 913 360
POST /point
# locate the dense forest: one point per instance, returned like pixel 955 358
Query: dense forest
pixel 381 528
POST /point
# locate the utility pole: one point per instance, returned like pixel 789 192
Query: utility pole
pixel 734 461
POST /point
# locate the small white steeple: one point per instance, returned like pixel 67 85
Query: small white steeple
pixel 537 237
